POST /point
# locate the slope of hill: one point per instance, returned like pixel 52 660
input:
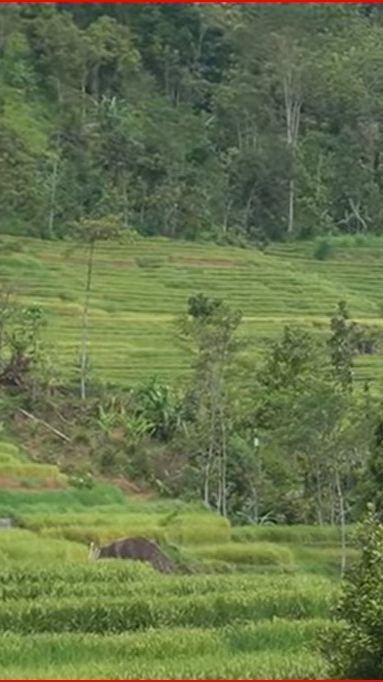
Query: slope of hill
pixel 140 287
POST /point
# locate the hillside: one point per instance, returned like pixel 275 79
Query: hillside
pixel 140 287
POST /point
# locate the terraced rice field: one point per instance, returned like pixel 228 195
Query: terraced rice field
pixel 140 287
pixel 252 605
pixel 64 618
pixel 121 621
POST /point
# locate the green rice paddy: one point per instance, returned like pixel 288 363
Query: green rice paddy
pixel 141 286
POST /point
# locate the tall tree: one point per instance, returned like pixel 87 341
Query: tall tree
pixel 89 232
pixel 210 328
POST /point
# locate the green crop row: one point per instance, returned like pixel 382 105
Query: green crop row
pixel 242 648
pixel 143 611
pixel 19 546
pixel 261 554
pixel 159 644
pixel 20 502
pixel 84 581
pixel 109 570
pixel 271 665
pixel 186 528
pixel 297 534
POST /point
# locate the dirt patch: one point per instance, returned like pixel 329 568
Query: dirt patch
pixel 126 486
pixel 14 483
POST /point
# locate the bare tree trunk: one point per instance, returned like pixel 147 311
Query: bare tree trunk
pixel 342 522
pixel 125 204
pixel 223 463
pixel 255 515
pixel 85 315
pixel 293 105
pixel 290 224
pixel 209 460
pixel 319 496
pixel 226 214
pixel 83 97
pixel 52 206
pixel 248 207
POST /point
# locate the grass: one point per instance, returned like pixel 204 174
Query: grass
pixel 54 625
pixel 254 609
pixel 297 534
pixel 139 288
pixel 24 547
pixel 19 502
pixel 259 650
pixel 260 554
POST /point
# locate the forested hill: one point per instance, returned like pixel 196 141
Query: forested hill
pixel 227 120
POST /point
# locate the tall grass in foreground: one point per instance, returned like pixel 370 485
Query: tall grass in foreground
pixel 281 649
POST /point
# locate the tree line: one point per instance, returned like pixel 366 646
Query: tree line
pixel 233 122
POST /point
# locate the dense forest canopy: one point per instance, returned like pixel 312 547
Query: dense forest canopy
pixel 222 121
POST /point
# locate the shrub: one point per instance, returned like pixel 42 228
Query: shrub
pixel 82 481
pixel 355 651
pixel 322 249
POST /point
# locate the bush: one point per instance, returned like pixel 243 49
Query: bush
pixel 82 481
pixel 355 650
pixel 323 249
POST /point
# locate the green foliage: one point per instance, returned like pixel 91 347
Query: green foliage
pixel 323 250
pixel 171 650
pixel 82 481
pixel 298 534
pixel 191 122
pixel 341 345
pixel 356 650
pixel 148 602
pixel 22 502
pixel 20 547
pixel 259 554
